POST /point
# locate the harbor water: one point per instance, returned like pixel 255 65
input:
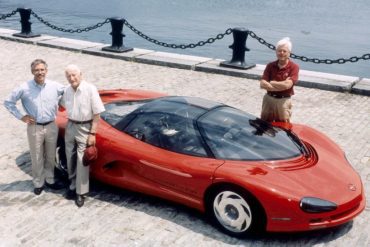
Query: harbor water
pixel 329 29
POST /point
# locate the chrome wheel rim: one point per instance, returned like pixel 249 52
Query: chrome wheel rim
pixel 232 211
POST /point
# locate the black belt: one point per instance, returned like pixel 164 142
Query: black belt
pixel 46 123
pixel 79 122
pixel 277 96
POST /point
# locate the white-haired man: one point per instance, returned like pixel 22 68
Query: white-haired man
pixel 278 80
pixel 83 105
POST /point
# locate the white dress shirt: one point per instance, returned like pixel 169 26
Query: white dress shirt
pixel 83 103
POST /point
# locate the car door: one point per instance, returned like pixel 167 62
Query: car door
pixel 175 157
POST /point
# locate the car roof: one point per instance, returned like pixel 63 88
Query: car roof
pixel 193 106
pixel 193 101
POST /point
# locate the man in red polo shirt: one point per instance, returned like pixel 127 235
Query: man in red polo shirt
pixel 278 80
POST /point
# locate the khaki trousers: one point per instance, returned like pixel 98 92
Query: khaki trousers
pixel 42 141
pixel 278 110
pixel 76 139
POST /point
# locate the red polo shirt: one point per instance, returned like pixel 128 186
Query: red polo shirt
pixel 274 73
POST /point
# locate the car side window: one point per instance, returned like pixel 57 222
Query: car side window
pixel 116 113
pixel 168 131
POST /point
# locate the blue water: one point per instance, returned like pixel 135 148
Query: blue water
pixel 324 29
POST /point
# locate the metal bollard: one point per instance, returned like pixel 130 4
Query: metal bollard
pixel 239 47
pixel 26 31
pixel 117 36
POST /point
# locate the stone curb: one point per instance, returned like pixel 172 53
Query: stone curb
pixel 309 79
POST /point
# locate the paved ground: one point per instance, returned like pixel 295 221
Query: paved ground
pixel 114 217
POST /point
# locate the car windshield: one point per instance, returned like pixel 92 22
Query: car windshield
pixel 167 122
pixel 200 127
pixel 235 135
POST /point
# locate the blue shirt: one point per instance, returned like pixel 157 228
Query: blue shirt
pixel 38 101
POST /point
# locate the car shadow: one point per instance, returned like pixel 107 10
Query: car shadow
pixel 309 238
pixel 21 186
pixel 181 215
pixel 198 222
pixel 23 162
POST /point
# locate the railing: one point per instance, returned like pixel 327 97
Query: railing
pixel 239 48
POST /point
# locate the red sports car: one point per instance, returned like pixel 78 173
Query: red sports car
pixel 245 173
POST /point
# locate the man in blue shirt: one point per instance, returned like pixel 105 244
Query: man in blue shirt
pixel 39 98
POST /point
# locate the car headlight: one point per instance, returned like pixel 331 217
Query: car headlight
pixel 316 205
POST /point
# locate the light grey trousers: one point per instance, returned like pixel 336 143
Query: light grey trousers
pixel 75 140
pixel 42 141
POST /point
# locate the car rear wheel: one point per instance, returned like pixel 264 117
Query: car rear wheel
pixel 61 160
pixel 235 211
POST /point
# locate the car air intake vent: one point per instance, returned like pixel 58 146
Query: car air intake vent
pixel 302 162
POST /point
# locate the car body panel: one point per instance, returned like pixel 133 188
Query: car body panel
pixel 279 186
pixel 172 176
pixel 322 171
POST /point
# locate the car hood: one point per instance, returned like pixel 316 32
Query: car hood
pixel 325 173
pixel 333 180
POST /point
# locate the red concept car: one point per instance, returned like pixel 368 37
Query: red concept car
pixel 245 173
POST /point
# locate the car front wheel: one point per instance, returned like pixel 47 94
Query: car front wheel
pixel 235 212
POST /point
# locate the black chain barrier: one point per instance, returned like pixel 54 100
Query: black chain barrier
pixel 78 30
pixel 192 45
pixel 3 17
pixel 313 60
pixel 175 46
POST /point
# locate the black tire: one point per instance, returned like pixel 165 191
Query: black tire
pixel 235 211
pixel 61 161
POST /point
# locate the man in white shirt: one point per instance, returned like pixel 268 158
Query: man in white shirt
pixel 83 105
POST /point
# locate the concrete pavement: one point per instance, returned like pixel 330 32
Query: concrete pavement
pixel 113 217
